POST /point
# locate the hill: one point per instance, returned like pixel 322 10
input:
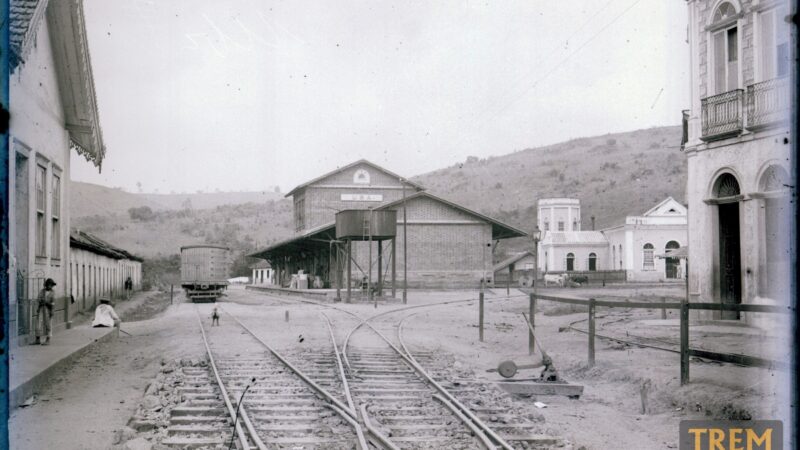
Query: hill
pixel 88 199
pixel 613 175
pixel 208 200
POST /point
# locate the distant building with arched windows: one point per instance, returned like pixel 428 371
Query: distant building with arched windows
pixel 638 243
pixel 634 249
pixel 738 146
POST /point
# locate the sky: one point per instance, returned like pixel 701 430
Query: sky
pixel 209 95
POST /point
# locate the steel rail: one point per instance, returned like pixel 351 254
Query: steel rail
pixel 472 417
pixel 362 442
pixel 341 408
pixel 405 308
pixel 345 385
pixel 475 431
pixel 231 410
pixel 414 364
pixel 375 431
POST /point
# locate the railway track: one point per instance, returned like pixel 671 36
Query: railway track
pixel 416 409
pixel 273 403
pixel 322 397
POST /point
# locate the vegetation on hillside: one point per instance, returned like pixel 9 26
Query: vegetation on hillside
pixel 613 175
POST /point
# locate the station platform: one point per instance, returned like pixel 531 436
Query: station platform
pixel 32 366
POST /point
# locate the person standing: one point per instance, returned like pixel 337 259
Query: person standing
pixel 215 317
pixel 44 312
pixel 128 288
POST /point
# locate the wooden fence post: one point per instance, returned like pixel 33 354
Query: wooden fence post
pixel 480 316
pixel 591 332
pixel 684 342
pixel 663 310
pixel 531 318
pixel 171 292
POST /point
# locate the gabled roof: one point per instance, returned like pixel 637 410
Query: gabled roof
pixel 353 164
pixel 86 241
pixel 263 264
pixel 72 63
pixel 508 261
pixel 669 201
pixel 500 230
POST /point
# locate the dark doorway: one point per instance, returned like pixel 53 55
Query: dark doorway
pixel 730 281
pixel 592 262
pixel 570 262
pixel 671 265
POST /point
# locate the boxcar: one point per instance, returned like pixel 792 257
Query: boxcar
pixel 204 272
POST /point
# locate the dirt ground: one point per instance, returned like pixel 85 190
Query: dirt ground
pixel 94 398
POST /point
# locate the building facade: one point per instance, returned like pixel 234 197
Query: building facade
pixel 447 245
pixel 53 111
pixel 559 214
pixel 97 270
pixel 633 250
pixel 263 275
pixel 738 145
pixel 638 245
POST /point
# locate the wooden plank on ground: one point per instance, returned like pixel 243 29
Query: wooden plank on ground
pixel 540 388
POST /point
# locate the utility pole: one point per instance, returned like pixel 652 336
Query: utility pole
pixel 532 299
pixel 405 246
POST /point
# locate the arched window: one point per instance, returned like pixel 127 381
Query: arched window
pixel 725 49
pixel 672 266
pixel 570 262
pixel 726 186
pixel 592 261
pixel 774 179
pixel 648 262
pixel 546 225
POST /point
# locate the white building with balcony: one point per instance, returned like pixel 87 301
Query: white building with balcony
pixel 738 145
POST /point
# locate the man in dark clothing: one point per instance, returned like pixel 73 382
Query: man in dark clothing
pixel 44 312
pixel 128 287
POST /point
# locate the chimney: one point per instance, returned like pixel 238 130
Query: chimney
pixel 592 223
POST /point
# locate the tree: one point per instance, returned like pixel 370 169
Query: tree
pixel 142 214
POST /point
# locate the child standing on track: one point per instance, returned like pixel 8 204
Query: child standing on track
pixel 215 317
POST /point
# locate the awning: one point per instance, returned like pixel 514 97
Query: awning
pixel 680 253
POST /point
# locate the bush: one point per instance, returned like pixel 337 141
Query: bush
pixel 141 214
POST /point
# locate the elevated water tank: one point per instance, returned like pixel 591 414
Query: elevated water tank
pixel 359 224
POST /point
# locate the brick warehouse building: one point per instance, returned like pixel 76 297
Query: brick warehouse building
pixel 448 245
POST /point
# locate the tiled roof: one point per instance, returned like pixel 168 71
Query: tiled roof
pixel 22 18
pixel 83 240
pixel 574 237
pixel 263 264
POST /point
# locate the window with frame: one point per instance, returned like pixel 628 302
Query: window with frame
pixel 725 49
pixel 774 44
pixel 546 226
pixel 300 213
pixel 574 225
pixel 55 214
pixel 41 205
pixel 560 225
pixel 648 260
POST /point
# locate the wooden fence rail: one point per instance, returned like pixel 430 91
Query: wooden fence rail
pixel 685 351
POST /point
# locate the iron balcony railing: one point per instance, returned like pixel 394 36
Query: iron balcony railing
pixel 768 103
pixel 722 115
